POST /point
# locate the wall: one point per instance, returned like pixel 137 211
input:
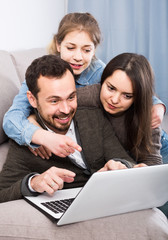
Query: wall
pixel 28 24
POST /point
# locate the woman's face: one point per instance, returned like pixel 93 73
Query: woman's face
pixel 117 93
pixel 78 50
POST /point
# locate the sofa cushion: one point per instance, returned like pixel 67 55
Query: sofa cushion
pixel 19 220
pixel 22 59
pixel 9 87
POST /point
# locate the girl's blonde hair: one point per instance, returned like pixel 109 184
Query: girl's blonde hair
pixel 76 22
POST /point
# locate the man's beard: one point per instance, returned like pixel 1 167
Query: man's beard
pixel 62 127
pixel 58 127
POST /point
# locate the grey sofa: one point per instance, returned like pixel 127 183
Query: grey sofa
pixel 19 220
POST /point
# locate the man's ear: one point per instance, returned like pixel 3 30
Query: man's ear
pixel 32 99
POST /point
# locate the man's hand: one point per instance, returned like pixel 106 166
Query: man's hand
pixel 58 144
pixel 157 115
pixel 112 165
pixel 51 180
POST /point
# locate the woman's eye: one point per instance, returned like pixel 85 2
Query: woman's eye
pixel 110 88
pixel 128 96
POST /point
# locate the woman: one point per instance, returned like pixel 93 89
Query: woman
pixel 126 92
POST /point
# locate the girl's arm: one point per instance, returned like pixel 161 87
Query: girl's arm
pixel 158 111
pixel 15 123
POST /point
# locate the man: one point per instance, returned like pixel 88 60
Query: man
pixel 52 93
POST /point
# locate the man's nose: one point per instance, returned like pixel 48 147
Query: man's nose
pixel 64 107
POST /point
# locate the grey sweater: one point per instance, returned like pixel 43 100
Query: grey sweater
pixel 89 96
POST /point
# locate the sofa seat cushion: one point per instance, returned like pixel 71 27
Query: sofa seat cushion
pixel 19 220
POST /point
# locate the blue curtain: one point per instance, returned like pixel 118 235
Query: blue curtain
pixel 139 26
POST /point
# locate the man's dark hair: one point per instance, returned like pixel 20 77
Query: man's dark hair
pixel 47 65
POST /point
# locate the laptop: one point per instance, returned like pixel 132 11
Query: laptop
pixel 107 193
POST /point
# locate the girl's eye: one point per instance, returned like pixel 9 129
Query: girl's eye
pixel 70 48
pixel 87 50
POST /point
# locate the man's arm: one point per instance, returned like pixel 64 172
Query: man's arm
pixel 14 170
pixel 17 170
pixel 51 180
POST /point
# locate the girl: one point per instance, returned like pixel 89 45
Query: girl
pixel 75 42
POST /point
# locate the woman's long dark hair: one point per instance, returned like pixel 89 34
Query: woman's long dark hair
pixel 138 116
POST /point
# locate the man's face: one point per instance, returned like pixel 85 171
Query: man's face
pixel 57 101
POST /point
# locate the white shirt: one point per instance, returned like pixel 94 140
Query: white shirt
pixel 76 156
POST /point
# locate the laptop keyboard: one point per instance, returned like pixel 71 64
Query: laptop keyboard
pixel 59 206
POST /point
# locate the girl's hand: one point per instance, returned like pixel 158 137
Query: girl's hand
pixel 157 115
pixel 51 142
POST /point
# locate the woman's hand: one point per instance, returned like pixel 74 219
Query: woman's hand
pixel 140 165
pixel 112 165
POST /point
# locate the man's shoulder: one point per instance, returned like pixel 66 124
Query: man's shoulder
pixel 16 150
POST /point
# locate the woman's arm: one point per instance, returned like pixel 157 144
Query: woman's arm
pixel 89 96
pixel 154 158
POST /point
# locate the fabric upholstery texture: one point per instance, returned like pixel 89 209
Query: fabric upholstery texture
pixel 19 220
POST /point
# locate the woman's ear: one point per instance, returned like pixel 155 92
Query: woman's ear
pixel 32 99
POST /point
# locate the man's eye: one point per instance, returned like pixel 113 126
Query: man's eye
pixel 53 101
pixel 72 97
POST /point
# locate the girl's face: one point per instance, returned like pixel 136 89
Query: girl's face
pixel 78 50
pixel 117 93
